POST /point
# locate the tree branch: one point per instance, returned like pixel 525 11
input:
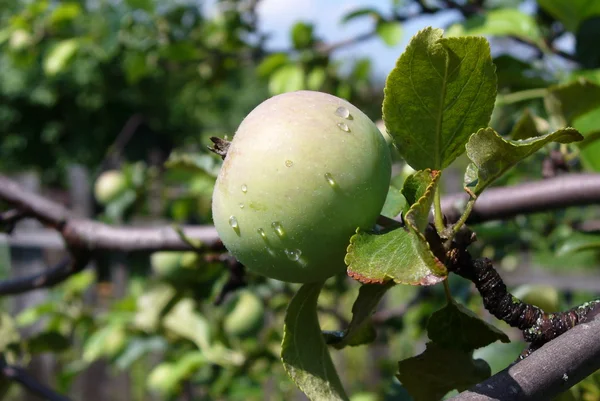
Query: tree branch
pixel 531 197
pixel 495 203
pixel 21 376
pixel 551 370
pixel 47 278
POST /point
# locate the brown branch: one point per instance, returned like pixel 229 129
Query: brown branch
pixel 531 197
pixel 538 327
pixel 551 370
pixel 21 376
pixel 47 278
pixel 495 203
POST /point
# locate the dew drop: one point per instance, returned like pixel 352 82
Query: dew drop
pixel 262 233
pixel 241 205
pixel 293 254
pixel 244 188
pixel 344 127
pixel 233 223
pixel 289 163
pixel 330 180
pixel 278 228
pixel 342 112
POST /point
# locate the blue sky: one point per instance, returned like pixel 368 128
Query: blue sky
pixel 277 16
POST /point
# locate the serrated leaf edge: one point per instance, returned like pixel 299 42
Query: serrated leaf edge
pixel 428 280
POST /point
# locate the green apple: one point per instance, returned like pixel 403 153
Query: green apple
pixel 303 171
pixel 109 186
pixel 245 315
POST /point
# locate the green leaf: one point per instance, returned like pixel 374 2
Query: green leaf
pixel 106 342
pixel 528 126
pixel 441 91
pixel 316 78
pixel 146 5
pixel 302 35
pixel 288 78
pixel 572 12
pixel 390 32
pixel 150 306
pixel 394 203
pixel 402 255
pixel 48 341
pixel 360 331
pixel 500 22
pixel 134 64
pixel 303 351
pixel 271 63
pixel 568 101
pixel 138 347
pixel 194 162
pixel 493 155
pixel 543 296
pixel 186 322
pixel 168 376
pixel 65 12
pixel 362 12
pixel 59 56
pixel 455 326
pixel 435 372
pixel 9 334
pixel 578 242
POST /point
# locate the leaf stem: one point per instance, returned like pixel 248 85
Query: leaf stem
pixel 447 291
pixel 438 217
pixel 520 96
pixel 465 215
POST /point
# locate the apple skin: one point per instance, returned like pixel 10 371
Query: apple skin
pixel 303 171
pixel 110 185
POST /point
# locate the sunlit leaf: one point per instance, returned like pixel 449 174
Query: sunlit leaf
pixel 403 254
pixel 568 101
pixel 500 22
pixel 288 78
pixel 390 32
pixel 493 155
pixel 578 242
pixel 440 92
pixel 59 55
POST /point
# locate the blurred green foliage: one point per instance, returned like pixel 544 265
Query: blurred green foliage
pixel 108 83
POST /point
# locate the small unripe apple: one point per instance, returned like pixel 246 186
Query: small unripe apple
pixel 245 315
pixel 109 186
pixel 303 171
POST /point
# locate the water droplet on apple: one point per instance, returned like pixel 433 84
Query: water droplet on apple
pixel 293 254
pixel 278 228
pixel 344 127
pixel 342 112
pixel 244 188
pixel 233 223
pixel 289 163
pixel 330 180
